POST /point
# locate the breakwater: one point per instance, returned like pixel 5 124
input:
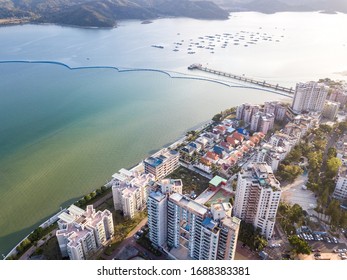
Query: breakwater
pixel 171 74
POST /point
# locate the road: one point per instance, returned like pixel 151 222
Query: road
pixel 333 137
pixel 102 200
pixel 244 253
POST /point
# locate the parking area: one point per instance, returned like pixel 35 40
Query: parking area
pixel 296 193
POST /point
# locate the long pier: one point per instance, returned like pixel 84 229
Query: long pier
pixel 242 78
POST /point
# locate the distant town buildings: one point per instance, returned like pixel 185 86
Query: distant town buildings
pixel 309 97
pixel 246 111
pixel 81 232
pixel 261 118
pixel 330 110
pixel 163 164
pixel 276 108
pixel 129 189
pixel 257 197
pixel 262 122
pixel 190 230
pixel 339 94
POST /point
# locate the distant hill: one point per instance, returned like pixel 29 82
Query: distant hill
pixel 273 6
pixel 103 13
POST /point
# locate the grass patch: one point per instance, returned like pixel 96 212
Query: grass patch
pixel 147 244
pixel 108 204
pixel 191 181
pixel 51 249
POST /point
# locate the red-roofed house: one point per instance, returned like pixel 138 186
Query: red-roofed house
pixel 221 128
pixel 244 148
pixel 205 161
pixel 255 139
pixel 212 155
pixel 238 136
pixel 226 145
pixel 232 141
pixel 260 134
pixel 232 160
pixel 239 154
pixel 250 144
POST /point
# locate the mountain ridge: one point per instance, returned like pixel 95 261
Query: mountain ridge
pixel 104 13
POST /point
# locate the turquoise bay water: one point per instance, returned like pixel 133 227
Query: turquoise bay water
pixel 65 132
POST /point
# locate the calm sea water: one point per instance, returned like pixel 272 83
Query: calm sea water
pixel 63 133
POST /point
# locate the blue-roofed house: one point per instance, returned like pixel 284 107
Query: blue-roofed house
pixel 243 131
pixel 219 151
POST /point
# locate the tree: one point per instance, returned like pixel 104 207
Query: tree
pixel 289 172
pixel 333 165
pixel 294 155
pixel 343 220
pixel 299 246
pixel 296 213
pixel 241 123
pixel 334 212
pixel 92 194
pixel 325 128
pixel 342 127
pixel 251 237
pixel 217 118
pixel 331 152
pixel 36 234
pixel 315 160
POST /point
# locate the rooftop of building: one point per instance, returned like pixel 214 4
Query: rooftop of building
pixel 188 204
pixel 66 218
pixel 94 217
pixel 160 158
pixel 261 174
pixel 209 223
pixel 75 233
pixel 76 211
pixel 167 181
pixel 343 171
pixel 231 222
pixel 157 195
pixel 217 180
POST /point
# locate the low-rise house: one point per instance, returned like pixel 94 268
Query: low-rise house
pixel 232 141
pixel 212 156
pixel 217 182
pixel 238 136
pixel 226 146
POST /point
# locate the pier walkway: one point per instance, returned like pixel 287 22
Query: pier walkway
pixel 242 78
